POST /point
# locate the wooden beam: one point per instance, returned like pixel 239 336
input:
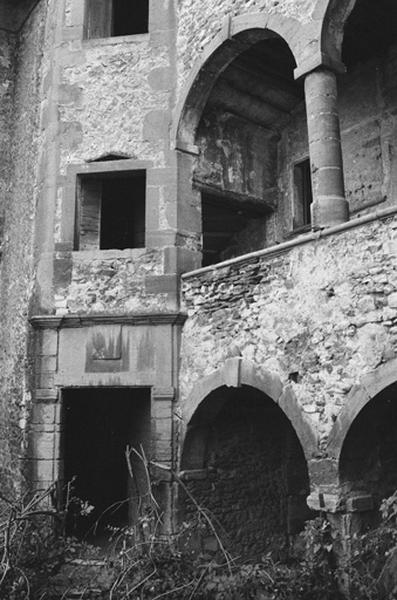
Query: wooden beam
pixel 250 107
pixel 258 70
pixel 239 200
pixel 266 88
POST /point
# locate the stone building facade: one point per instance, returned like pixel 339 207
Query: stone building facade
pixel 199 225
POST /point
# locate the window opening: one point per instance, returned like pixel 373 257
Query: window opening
pixel 97 426
pixel 111 211
pixel 223 220
pixel 108 18
pixel 130 18
pixel 303 194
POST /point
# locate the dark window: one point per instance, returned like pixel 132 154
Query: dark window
pixel 111 211
pixel 107 18
pixel 130 17
pixel 303 195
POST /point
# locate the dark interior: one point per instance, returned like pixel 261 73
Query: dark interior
pixel 303 193
pixel 222 220
pixel 123 211
pixel 98 424
pixel 256 92
pixel 130 17
pixel 257 481
pixel 369 31
pixel 369 455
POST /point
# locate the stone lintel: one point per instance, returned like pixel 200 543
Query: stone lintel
pixel 163 394
pixel 46 395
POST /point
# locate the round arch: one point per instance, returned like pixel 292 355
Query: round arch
pixel 334 14
pixel 235 36
pixel 238 372
pixel 361 394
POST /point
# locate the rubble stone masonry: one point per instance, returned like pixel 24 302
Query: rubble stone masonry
pixel 320 315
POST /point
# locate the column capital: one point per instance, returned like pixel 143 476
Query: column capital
pixel 319 61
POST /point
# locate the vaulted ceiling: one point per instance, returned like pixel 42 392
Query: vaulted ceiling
pixel 259 85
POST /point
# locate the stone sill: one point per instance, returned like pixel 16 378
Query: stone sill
pixel 298 241
pixel 117 39
pixel 127 253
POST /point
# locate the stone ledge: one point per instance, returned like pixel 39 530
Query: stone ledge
pixel 299 241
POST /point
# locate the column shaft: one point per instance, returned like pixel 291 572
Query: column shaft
pixel 329 204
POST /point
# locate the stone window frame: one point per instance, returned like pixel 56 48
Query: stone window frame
pixel 75 27
pixel 69 204
pixel 293 230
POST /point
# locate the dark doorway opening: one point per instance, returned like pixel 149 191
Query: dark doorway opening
pixel 368 462
pixel 222 222
pixel 254 479
pixel 98 425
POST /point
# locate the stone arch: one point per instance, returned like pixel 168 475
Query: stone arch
pixel 323 36
pixel 236 34
pixel 331 16
pixel 237 372
pixel 245 458
pixel 361 394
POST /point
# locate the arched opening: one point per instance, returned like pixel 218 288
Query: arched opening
pixel 250 180
pixel 368 461
pixel 253 477
pixel 368 102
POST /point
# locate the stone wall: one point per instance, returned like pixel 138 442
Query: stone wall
pixel 109 96
pixel 199 23
pixel 367 108
pixel 113 281
pixel 7 54
pixel 320 314
pixel 236 155
pixel 17 266
pixel 114 98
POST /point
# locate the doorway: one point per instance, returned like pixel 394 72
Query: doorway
pixel 98 425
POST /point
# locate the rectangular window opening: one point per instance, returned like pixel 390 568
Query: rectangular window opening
pixel 303 195
pixel 97 426
pixel 111 211
pixel 112 18
pixel 222 220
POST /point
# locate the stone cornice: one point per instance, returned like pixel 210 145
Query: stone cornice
pixel 70 321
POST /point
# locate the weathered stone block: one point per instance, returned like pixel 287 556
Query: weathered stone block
pixel 360 503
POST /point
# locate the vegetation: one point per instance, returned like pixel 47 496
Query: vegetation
pixel 141 563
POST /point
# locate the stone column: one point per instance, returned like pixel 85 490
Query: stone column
pixel 329 204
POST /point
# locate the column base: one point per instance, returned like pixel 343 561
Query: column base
pixel 329 212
